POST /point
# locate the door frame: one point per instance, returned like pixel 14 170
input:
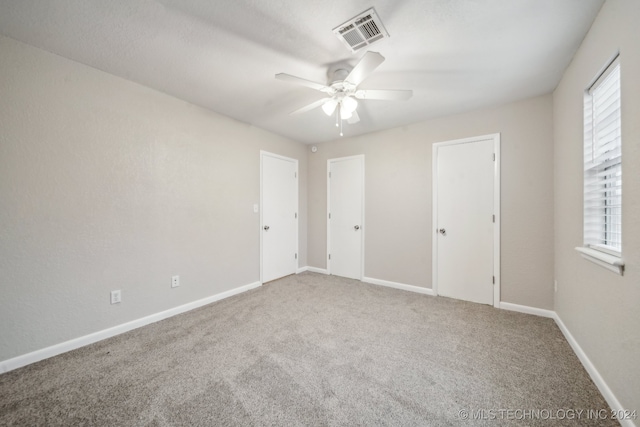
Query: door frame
pixel 297 191
pixel 496 208
pixel 362 226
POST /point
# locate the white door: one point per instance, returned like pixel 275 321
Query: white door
pixel 346 217
pixel 466 238
pixel 279 220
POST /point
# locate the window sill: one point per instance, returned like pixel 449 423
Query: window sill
pixel 610 262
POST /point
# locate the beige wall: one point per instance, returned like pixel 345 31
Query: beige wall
pixel 600 308
pixel 398 197
pixel 105 184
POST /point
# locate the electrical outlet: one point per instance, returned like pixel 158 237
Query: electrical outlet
pixel 555 286
pixel 116 297
pixel 175 281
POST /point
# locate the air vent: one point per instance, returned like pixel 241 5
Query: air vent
pixel 362 30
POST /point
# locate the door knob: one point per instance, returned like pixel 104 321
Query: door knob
pixel 443 231
pixel 356 227
pixel 266 228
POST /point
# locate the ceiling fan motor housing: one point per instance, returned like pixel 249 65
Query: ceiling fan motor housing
pixel 339 85
pixel 338 75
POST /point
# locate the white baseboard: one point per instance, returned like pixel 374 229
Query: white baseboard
pixel 54 350
pixel 396 285
pixel 317 270
pixel 302 270
pixel 528 310
pixel 593 373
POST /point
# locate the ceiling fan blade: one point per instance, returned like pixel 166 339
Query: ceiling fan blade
pixel 385 95
pixel 311 106
pixel 369 62
pixel 300 81
pixel 355 118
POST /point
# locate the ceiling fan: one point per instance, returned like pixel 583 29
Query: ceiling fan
pixel 342 90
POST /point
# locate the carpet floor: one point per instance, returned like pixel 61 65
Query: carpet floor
pixel 316 350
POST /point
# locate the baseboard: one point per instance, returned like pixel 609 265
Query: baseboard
pixel 317 270
pixel 54 350
pixel 302 270
pixel 528 310
pixel 593 373
pixel 396 285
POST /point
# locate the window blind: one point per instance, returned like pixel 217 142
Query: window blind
pixel 603 163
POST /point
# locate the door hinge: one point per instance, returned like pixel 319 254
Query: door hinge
pixel 329 174
pixel 295 174
pixel 494 157
pixel 329 256
pixel 494 218
pixel 296 215
pixel 329 215
pixel 494 280
pixel 296 256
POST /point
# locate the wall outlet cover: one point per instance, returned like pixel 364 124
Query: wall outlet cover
pixel 175 281
pixel 116 297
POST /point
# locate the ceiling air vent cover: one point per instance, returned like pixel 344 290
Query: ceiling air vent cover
pixel 361 31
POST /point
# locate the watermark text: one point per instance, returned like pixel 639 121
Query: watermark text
pixel 546 414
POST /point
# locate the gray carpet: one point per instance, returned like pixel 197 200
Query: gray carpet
pixel 314 350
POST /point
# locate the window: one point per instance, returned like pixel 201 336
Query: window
pixel 603 168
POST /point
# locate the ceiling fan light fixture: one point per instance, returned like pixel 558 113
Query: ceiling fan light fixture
pixel 345 115
pixel 329 107
pixel 349 105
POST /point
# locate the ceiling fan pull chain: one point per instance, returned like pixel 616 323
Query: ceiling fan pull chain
pixel 339 116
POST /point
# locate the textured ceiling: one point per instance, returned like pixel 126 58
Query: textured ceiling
pixel 456 55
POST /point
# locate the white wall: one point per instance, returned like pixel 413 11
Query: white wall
pixel 398 197
pixel 600 308
pixel 105 184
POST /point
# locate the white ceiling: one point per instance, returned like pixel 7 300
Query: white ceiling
pixel 456 55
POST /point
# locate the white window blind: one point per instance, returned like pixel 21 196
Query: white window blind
pixel 603 163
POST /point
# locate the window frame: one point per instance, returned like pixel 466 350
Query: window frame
pixel 596 247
